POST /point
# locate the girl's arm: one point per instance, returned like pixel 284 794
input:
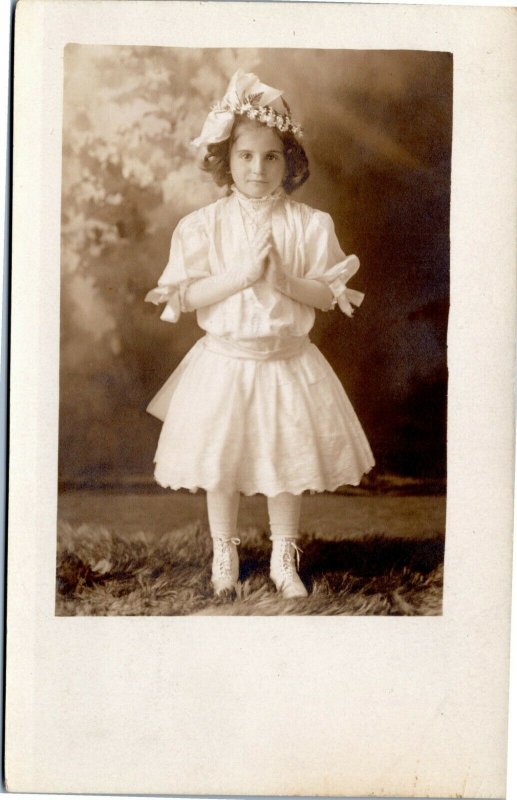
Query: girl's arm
pixel 308 291
pixel 207 291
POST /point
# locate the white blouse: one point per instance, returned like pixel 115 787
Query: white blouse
pixel 217 237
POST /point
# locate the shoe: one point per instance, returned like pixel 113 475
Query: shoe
pixel 225 565
pixel 285 559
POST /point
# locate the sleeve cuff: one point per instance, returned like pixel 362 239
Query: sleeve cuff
pixel 343 297
pixel 171 296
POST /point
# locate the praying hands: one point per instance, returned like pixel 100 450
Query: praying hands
pixel 308 291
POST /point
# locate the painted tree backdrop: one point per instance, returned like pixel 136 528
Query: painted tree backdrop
pixel 378 136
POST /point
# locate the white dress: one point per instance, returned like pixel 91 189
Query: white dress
pixel 254 406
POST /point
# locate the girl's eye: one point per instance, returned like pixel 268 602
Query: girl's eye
pixel 246 156
pixel 273 156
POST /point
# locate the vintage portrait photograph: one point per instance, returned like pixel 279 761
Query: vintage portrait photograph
pixel 253 327
pixel 262 379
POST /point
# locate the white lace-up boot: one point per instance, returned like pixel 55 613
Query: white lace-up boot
pixel 285 561
pixel 225 564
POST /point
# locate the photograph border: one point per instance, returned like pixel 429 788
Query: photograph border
pixel 438 678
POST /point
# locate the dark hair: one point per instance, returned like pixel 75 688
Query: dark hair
pixel 217 160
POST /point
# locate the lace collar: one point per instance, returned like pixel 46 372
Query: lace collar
pixel 257 203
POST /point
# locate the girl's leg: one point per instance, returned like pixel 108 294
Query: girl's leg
pixel 284 518
pixel 223 509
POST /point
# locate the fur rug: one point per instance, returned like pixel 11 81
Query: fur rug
pixel 102 573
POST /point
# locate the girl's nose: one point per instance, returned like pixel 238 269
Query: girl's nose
pixel 258 165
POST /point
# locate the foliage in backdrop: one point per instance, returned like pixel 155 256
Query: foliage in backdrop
pixel 378 135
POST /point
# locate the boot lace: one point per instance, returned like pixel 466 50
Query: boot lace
pixel 286 558
pixel 290 559
pixel 225 565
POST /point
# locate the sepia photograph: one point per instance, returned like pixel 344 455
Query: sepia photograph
pixel 261 436
pixel 262 378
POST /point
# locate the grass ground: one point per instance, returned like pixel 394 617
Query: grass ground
pixel 149 554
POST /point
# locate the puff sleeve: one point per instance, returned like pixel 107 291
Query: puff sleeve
pixel 327 262
pixel 188 261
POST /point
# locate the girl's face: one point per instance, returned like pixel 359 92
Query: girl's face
pixel 257 160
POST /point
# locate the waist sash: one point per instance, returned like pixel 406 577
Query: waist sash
pixel 273 348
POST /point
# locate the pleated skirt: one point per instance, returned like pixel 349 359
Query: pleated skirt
pixel 257 425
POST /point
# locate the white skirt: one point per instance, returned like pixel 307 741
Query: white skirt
pixel 235 421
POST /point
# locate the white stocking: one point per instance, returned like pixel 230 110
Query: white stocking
pixel 284 515
pixel 223 509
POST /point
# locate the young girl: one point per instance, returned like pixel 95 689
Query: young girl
pixel 254 407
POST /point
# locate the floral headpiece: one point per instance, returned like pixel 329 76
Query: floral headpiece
pixel 247 97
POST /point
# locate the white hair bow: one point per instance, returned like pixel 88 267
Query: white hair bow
pixel 247 96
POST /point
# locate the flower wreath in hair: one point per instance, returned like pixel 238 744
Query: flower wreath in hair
pixel 247 97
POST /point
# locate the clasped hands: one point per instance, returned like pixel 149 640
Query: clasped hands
pixel 266 263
